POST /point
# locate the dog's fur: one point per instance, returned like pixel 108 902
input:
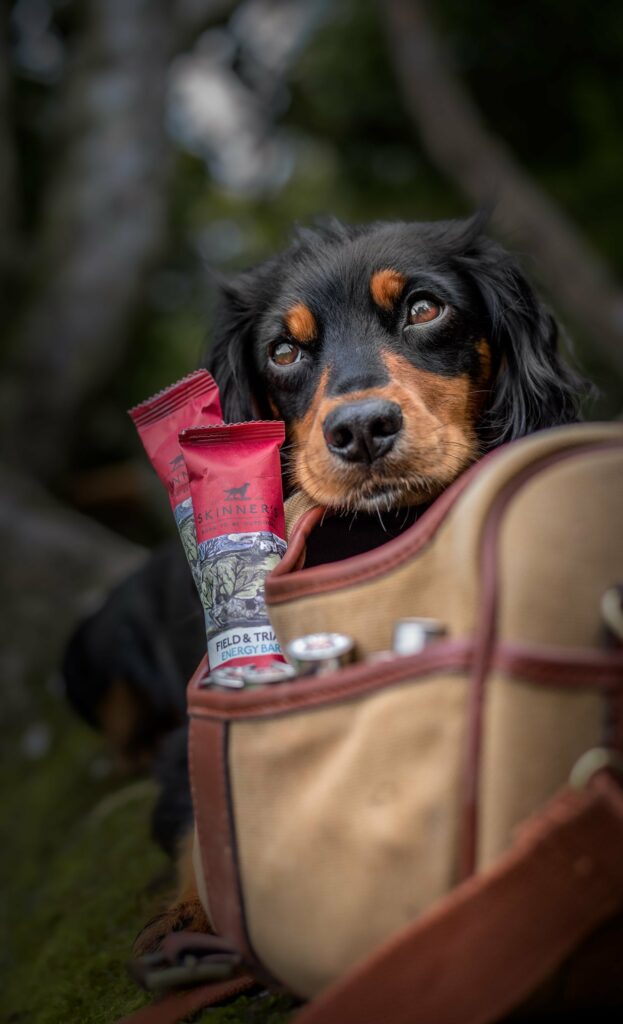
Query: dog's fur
pixel 127 664
pixel 397 354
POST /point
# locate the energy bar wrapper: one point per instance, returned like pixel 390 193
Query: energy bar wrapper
pixel 158 420
pixel 235 483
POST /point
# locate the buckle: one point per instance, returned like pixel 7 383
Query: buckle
pixel 186 959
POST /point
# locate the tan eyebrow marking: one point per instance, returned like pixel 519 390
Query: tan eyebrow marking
pixel 301 323
pixel 484 351
pixel 386 286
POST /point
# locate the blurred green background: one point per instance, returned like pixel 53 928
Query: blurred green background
pixel 145 144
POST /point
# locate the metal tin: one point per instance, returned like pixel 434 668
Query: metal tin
pixel 412 635
pixel 276 672
pixel 232 678
pixel 321 652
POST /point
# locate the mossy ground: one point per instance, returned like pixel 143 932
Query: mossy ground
pixel 84 876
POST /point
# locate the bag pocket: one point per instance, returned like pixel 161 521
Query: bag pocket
pixel 328 813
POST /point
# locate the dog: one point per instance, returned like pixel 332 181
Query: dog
pixel 397 354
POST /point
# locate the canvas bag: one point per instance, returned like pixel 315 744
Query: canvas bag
pixel 332 813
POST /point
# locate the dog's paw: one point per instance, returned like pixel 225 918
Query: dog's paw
pixel 187 915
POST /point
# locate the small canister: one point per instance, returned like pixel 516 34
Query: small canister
pixel 231 678
pixel 319 653
pixel 412 635
pixel 275 672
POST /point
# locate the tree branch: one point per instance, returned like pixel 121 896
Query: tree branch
pixel 459 143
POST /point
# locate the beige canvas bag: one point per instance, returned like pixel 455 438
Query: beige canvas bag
pixel 336 813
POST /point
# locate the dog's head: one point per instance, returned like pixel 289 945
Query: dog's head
pixel 396 353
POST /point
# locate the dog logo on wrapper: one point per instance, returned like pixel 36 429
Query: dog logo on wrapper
pixel 236 493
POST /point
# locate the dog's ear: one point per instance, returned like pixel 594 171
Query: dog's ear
pixel 231 358
pixel 532 388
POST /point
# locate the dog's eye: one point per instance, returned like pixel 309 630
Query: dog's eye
pixel 424 309
pixel 283 353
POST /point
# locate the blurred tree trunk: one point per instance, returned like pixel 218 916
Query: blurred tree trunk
pixel 7 169
pixel 459 143
pixel 103 227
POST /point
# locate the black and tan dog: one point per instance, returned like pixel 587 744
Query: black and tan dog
pixel 397 354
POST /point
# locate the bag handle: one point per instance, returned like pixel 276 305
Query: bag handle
pixel 488 944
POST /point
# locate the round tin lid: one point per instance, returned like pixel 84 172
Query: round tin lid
pixel 231 677
pixel 276 672
pixel 317 647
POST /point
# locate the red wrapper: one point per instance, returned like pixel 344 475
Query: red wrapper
pixel 235 483
pixel 158 421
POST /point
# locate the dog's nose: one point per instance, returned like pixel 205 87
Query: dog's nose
pixel 362 431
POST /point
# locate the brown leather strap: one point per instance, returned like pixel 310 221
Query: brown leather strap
pixel 207 752
pixel 177 1005
pixel 496 937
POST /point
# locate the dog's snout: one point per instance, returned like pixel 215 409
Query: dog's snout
pixel 363 431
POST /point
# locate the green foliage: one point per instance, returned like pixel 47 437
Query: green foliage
pixel 85 877
pixel 81 871
pixel 266 1009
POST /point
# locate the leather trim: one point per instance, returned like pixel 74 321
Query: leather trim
pixel 349 682
pixel 561 667
pixel 487 632
pixel 294 558
pixel 285 584
pixel 209 777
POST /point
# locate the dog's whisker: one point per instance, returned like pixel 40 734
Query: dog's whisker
pixel 404 520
